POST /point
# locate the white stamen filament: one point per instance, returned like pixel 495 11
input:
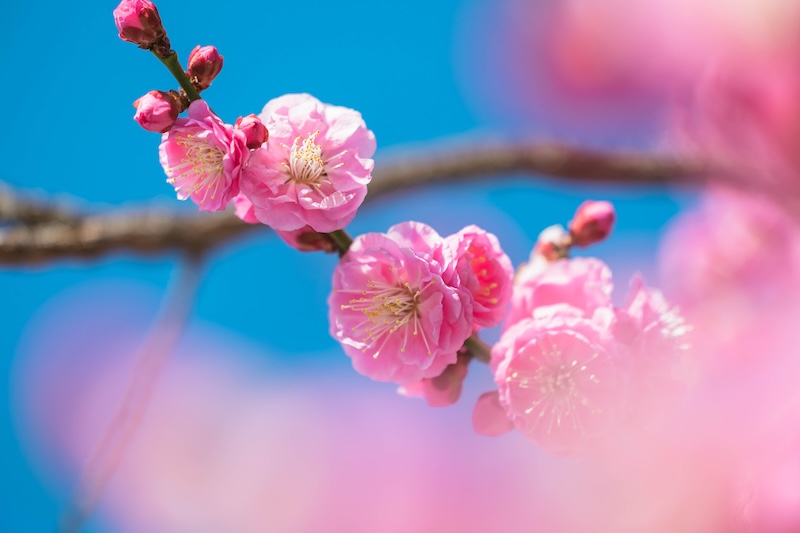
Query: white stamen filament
pixel 557 379
pixel 203 161
pixel 388 308
pixel 306 164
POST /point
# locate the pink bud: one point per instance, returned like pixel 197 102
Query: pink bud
pixel 157 110
pixel 138 22
pixel 592 222
pixel 254 130
pixel 444 389
pixel 204 65
pixel 553 243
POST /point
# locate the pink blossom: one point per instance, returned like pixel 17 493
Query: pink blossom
pixel 442 390
pixel 486 271
pixel 243 208
pixel 583 283
pixel 392 308
pixel 205 62
pixel 157 111
pixel 203 158
pixel 658 338
pixel 315 168
pixel 592 223
pixel 562 378
pixel 138 22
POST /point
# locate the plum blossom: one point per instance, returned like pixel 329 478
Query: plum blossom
pixel 584 283
pixel 571 368
pixel 397 306
pixel 315 167
pixel 561 378
pixel 203 158
pixel 486 271
pixel 658 338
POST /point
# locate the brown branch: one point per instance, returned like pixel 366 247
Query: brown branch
pixel 149 360
pixel 152 231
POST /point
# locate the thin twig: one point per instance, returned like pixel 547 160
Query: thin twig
pixel 151 231
pixel 149 361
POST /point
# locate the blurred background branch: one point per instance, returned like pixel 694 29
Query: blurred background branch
pixel 149 360
pixel 40 231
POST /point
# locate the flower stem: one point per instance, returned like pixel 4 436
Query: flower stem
pixel 479 349
pixel 175 68
pixel 342 240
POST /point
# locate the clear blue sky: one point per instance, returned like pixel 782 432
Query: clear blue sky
pixel 68 84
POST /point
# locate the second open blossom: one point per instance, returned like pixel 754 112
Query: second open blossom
pixel 315 167
pixel 399 312
pixel 203 158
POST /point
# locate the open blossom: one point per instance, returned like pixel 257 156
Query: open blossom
pixel 486 271
pixel 584 283
pixel 561 378
pixel 398 310
pixel 570 367
pixel 315 167
pixel 203 158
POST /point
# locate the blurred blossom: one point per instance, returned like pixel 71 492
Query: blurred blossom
pixel 231 444
pixel 745 114
pixel 592 65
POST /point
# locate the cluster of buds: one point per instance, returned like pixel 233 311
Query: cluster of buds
pixel 139 22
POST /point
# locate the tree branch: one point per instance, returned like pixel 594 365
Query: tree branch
pixel 49 233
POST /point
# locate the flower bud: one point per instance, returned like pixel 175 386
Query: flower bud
pixel 592 222
pixel 306 239
pixel 138 22
pixel 442 390
pixel 254 130
pixel 204 65
pixel 157 110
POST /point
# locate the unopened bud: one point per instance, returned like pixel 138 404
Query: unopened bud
pixel 254 130
pixel 306 239
pixel 138 22
pixel 592 222
pixel 204 65
pixel 157 110
pixel 553 243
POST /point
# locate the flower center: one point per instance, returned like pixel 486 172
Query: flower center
pixel 200 167
pixel 305 160
pixel 388 309
pixel 561 382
